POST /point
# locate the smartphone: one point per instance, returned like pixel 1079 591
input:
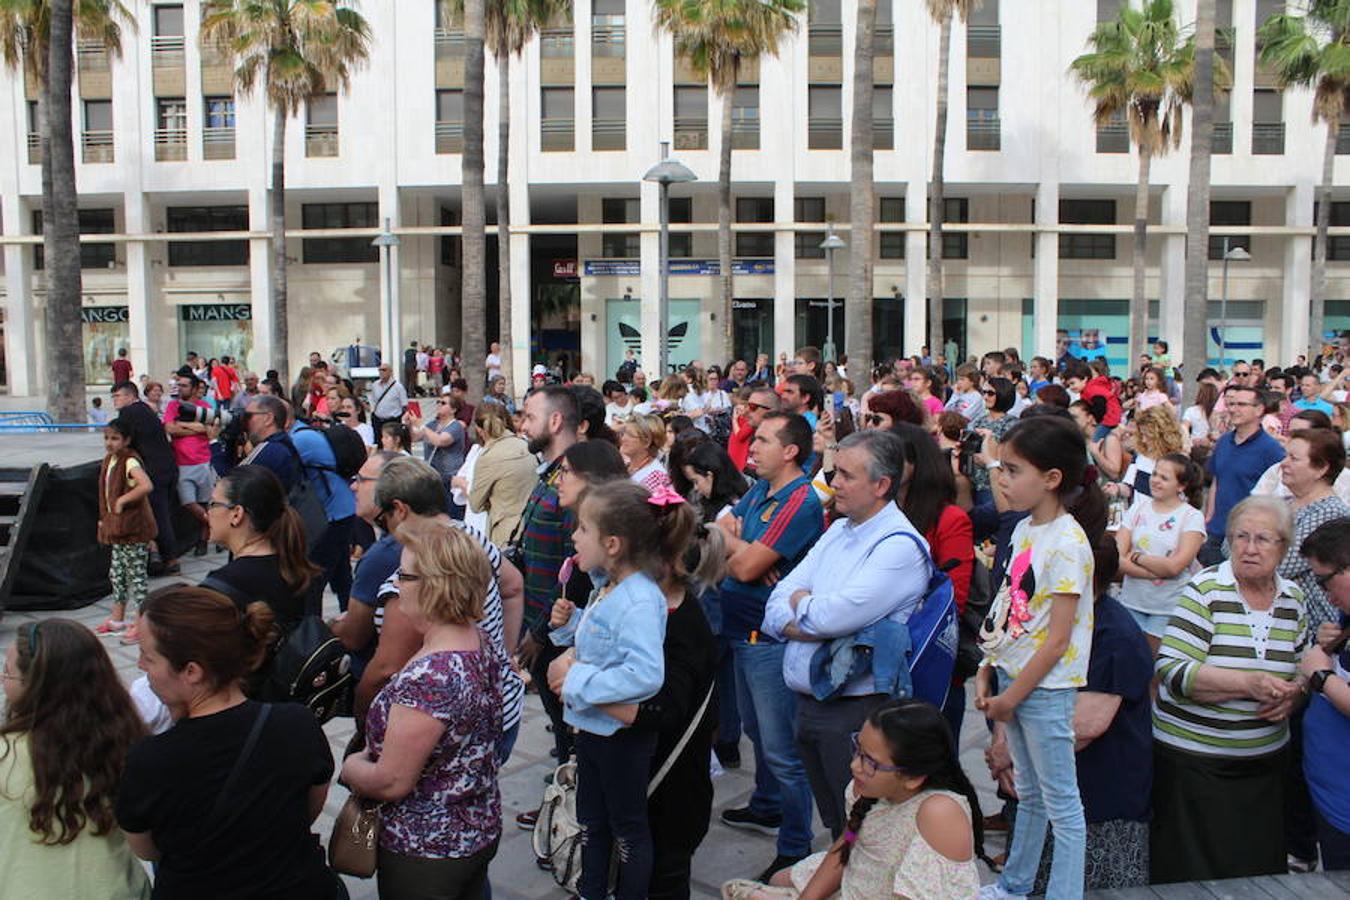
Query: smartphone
pixel 415 408
pixel 838 401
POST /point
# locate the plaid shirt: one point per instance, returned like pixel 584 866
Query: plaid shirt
pixel 545 541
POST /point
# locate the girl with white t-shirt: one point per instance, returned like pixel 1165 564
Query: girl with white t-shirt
pixel 1158 542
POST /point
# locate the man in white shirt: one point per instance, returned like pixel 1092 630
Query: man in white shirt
pixel 387 399
pixel 493 363
pixel 864 569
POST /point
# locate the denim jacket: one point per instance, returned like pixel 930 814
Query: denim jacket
pixel 619 641
pixel 881 649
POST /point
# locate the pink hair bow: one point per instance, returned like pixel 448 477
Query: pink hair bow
pixel 665 496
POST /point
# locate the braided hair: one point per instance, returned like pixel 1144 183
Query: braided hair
pixel 921 743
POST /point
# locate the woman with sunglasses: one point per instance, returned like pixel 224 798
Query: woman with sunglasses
pixel 58 836
pixel 445 443
pixel 999 397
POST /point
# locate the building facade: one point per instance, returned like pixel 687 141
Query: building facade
pixel 173 167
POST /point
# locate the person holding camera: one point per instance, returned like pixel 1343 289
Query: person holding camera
pixel 185 422
pixel 999 397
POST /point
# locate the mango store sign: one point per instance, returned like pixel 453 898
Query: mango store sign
pixel 215 312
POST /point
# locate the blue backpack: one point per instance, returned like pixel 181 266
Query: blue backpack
pixel 933 636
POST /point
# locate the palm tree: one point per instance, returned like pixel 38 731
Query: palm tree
pixel 717 37
pixel 37 37
pixel 858 307
pixel 1313 50
pixel 295 50
pixel 473 279
pixel 508 27
pixel 1141 66
pixel 942 12
pixel 1195 341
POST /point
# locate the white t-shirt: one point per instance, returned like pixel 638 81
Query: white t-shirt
pixel 616 414
pixel 1195 417
pixel 1157 534
pixel 493 364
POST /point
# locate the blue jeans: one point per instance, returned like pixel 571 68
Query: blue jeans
pixel 768 710
pixel 728 716
pixel 1040 739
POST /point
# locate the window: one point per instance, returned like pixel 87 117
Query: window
pixel 92 256
pixel 609 117
pixel 825 121
pixel 681 213
pixel 1229 212
pixel 1087 246
pixel 985 13
pixel 98 116
pixel 982 125
pixel 883 117
pixel 625 245
pixel 892 209
pixel 340 215
pixel 955 245
pixel 1267 122
pixel 185 219
pixel 620 211
pixel 321 128
pixel 558 107
pixel 449 121
pixel 745 118
pixel 450 106
pixel 172 116
pixel 754 243
pixel 558 103
pixel 168 21
pixel 1338 246
pixel 219 112
pixel 691 118
pixel 824 12
pixel 807 243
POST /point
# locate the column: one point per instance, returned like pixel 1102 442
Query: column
pixel 1045 305
pixel 1296 308
pixel 916 270
pixel 20 358
pixel 1172 296
pixel 784 272
pixel 522 319
pixel 391 210
pixel 260 285
pixel 147 354
pixel 652 326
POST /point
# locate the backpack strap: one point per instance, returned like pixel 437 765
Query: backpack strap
pixel 684 742
pixel 233 778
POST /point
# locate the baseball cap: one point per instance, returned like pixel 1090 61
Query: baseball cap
pixel 538 370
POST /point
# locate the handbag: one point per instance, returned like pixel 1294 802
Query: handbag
pixel 353 845
pixel 557 833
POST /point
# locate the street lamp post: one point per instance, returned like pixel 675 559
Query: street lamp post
pixel 831 243
pixel 1236 254
pixel 387 241
pixel 665 173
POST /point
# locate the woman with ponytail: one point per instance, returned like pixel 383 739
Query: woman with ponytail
pixel 223 801
pixel 914 826
pixel 249 515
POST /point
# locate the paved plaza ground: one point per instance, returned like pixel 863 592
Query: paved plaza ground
pixel 725 853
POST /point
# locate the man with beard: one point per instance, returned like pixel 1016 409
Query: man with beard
pixel 545 536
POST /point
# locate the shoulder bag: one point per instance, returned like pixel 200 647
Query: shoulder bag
pixel 354 845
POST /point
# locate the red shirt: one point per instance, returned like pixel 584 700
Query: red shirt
pixel 952 539
pixel 738 445
pixel 226 381
pixel 1101 386
pixel 121 369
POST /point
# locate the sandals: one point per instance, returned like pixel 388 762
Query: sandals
pixel 112 626
pixel 131 636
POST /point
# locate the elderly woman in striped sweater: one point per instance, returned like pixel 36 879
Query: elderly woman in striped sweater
pixel 1228 679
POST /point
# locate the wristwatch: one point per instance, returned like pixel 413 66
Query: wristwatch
pixel 1318 681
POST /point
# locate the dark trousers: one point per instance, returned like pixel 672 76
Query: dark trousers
pixel 1211 551
pixel 333 555
pixel 562 732
pixel 1300 825
pixel 954 710
pixel 163 499
pixel 612 776
pixel 1335 845
pixel 416 878
pixel 824 732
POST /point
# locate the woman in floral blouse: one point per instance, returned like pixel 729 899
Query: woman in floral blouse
pixel 432 732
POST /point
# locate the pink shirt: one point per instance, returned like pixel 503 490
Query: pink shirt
pixel 192 449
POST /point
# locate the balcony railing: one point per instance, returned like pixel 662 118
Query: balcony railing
pixel 170 144
pixel 34 149
pixel 825 40
pixel 1343 139
pixel 97 146
pixel 449 137
pixel 691 132
pixel 984 41
pixel 824 133
pixel 982 129
pixel 744 131
pixel 557 134
pixel 609 134
pixel 1267 138
pixel 557 45
pixel 609 40
pixel 321 140
pixel 449 43
pixel 883 134
pixel 218 143
pixel 1113 138
pixel 1223 138
pixel 166 51
pixel 92 56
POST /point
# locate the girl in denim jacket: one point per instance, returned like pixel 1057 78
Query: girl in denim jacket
pixel 617 658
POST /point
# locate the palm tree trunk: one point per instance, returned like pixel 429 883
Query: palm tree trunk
pixel 1195 341
pixel 504 331
pixel 473 299
pixel 1319 266
pixel 1139 306
pixel 935 194
pixel 858 308
pixel 281 333
pixel 724 262
pixel 61 228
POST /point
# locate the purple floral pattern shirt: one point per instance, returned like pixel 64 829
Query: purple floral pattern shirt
pixel 456 809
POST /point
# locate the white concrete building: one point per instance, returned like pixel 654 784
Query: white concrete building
pixel 167 151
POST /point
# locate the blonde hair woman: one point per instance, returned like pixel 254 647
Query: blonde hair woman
pixel 1157 433
pixel 503 474
pixel 443 712
pixel 641 441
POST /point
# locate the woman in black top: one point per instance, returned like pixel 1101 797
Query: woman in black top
pixel 222 815
pixel 248 513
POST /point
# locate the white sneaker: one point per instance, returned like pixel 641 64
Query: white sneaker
pixel 995 891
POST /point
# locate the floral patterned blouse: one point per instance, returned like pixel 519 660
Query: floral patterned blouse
pixel 456 809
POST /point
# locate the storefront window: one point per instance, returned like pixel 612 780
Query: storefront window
pixel 752 328
pixel 105 332
pixel 216 330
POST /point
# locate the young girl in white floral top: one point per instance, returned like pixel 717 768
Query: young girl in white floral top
pixel 914 826
pixel 1037 638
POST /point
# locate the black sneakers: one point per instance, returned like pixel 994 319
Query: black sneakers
pixel 750 820
pixel 779 863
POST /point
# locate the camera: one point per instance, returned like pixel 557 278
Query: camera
pixel 191 412
pixel 972 442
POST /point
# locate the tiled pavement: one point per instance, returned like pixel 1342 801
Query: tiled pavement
pixel 725 852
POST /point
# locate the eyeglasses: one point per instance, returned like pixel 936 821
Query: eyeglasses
pixel 442 402
pixel 358 478
pixel 406 577
pixel 1324 580
pixel 870 765
pixel 1262 540
pixel 989 393
pixel 1241 374
pixel 753 405
pixel 1250 404
pixel 565 469
pixel 220 504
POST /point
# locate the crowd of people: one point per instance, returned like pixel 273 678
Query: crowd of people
pixel 1151 607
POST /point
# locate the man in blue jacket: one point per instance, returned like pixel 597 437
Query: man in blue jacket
pixel 332 551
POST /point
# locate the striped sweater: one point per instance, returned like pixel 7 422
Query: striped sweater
pixel 1212 626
